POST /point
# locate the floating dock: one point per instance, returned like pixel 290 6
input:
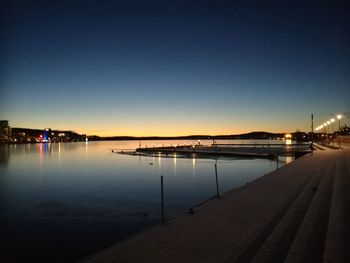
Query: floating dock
pixel 268 151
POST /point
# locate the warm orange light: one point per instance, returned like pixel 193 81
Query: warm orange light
pixel 288 136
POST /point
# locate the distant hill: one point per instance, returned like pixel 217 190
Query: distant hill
pixel 260 135
pixel 251 135
pixel 256 135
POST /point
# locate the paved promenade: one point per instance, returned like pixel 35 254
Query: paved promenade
pixel 299 213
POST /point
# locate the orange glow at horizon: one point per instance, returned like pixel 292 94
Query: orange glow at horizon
pixel 170 127
pixel 173 132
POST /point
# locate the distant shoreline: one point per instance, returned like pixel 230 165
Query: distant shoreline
pixel 251 135
pixel 24 135
pixel 144 139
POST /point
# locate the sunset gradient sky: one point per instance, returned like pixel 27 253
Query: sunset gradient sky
pixel 186 67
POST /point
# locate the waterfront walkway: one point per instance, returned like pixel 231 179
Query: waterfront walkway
pixel 299 213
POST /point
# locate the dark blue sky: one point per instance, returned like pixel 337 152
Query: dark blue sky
pixel 186 67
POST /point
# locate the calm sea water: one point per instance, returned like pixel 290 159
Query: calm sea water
pixel 60 202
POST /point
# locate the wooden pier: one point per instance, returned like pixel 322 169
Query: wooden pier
pixel 268 151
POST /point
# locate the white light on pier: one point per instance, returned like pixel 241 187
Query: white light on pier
pixel 339 116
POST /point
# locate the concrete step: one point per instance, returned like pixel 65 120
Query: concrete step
pixel 309 243
pixel 300 176
pixel 276 247
pixel 338 240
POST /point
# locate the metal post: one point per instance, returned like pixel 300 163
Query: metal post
pixel 333 133
pixel 277 161
pixel 217 182
pixel 162 200
pixel 312 131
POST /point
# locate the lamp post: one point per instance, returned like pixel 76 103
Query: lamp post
pixel 332 121
pixel 312 131
pixel 326 131
pixel 329 129
pixel 328 122
pixel 339 116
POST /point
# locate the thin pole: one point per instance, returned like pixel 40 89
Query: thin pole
pixel 162 200
pixel 217 182
pixel 333 132
pixel 339 134
pixel 312 131
pixel 277 161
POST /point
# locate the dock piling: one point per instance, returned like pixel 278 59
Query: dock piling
pixel 162 200
pixel 217 182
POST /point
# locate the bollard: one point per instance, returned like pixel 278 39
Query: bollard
pixel 277 161
pixel 217 182
pixel 162 201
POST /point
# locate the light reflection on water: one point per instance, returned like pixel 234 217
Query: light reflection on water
pixel 82 193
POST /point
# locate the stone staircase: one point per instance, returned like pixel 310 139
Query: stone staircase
pixel 316 226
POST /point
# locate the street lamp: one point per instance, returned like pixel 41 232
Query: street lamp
pixel 328 129
pixel 332 121
pixel 339 116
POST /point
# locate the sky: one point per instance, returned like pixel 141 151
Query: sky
pixel 170 68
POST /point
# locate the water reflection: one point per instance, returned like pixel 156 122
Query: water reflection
pixel 93 192
pixel 159 163
pixel 288 159
pixel 193 166
pixel 175 157
pixel 4 154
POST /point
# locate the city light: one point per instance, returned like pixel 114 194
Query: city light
pixel 339 116
pixel 329 122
